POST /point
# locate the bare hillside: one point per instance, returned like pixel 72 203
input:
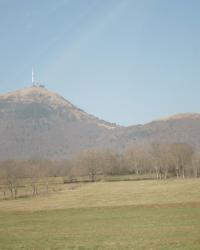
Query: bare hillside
pixel 183 128
pixel 37 123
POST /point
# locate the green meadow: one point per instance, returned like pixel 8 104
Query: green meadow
pixel 145 215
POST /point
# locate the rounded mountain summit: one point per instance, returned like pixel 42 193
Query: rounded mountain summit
pixel 37 123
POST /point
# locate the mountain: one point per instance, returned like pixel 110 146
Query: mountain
pixel 36 123
pixel 182 128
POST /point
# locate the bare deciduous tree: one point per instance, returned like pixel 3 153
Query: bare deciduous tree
pixel 181 156
pixel 196 164
pixel 135 157
pixel 89 163
pixel 12 174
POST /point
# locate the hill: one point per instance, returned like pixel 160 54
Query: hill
pixel 181 128
pixel 36 123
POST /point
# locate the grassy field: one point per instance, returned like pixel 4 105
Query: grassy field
pixel 106 215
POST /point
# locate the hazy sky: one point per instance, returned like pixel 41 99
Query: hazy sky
pixel 125 61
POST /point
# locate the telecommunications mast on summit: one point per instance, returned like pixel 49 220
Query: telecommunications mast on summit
pixel 35 83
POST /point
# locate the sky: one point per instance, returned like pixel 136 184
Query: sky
pixel 124 61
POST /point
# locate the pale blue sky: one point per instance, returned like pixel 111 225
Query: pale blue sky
pixel 124 61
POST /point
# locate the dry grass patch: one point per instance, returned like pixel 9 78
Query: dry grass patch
pixel 110 194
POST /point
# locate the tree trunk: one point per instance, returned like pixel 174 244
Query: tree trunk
pixel 165 174
pixel 157 174
pixel 15 191
pixel 183 173
pixel 11 190
pixel 4 194
pixel 195 172
pixel 177 172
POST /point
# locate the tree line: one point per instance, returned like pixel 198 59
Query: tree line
pixel 160 160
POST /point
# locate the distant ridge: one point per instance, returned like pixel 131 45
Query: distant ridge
pixel 180 116
pixel 37 123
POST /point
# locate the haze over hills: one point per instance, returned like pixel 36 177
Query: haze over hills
pixel 37 123
pixel 181 128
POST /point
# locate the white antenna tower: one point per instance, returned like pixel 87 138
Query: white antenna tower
pixel 36 83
